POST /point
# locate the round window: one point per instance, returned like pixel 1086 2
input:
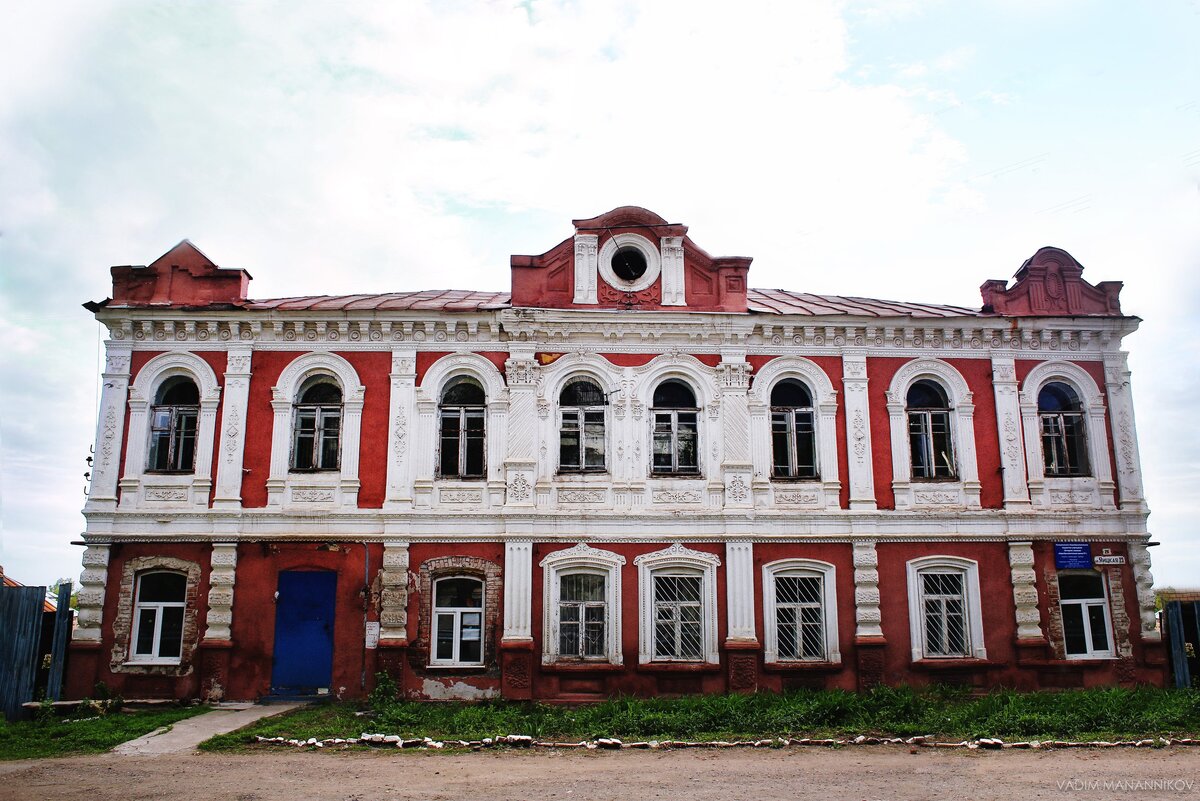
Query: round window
pixel 629 263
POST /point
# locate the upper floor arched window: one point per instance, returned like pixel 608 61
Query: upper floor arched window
pixel 317 426
pixel 581 431
pixel 676 429
pixel 930 437
pixel 793 431
pixel 173 424
pixel 1064 438
pixel 462 414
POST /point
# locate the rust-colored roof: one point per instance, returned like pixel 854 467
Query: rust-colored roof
pixel 781 301
pixel 764 301
pixel 446 300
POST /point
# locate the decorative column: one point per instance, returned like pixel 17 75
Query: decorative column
pixel 586 268
pixel 868 633
pixel 858 430
pixel 110 427
pixel 1008 421
pixel 741 643
pixel 217 644
pixel 233 429
pixel 1031 640
pixel 520 460
pixel 393 610
pixel 671 250
pixel 348 483
pixel 91 593
pixel 1139 556
pixel 402 407
pixel 516 667
pixel 1125 441
pixel 734 414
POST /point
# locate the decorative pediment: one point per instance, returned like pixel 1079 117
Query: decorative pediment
pixel 1050 284
pixel 629 258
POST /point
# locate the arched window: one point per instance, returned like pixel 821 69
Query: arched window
pixel 158 617
pixel 462 416
pixel 317 425
pixel 1085 617
pixel 793 431
pixel 457 621
pixel 1064 439
pixel 173 422
pixel 581 430
pixel 929 431
pixel 676 421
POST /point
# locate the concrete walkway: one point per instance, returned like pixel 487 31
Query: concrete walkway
pixel 185 735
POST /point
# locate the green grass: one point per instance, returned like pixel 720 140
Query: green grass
pixel 1110 713
pixel 54 736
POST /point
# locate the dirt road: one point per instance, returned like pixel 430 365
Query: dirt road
pixel 883 772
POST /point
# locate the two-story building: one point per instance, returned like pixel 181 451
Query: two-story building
pixel 630 474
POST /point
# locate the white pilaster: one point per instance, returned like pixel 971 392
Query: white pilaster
pixel 734 418
pixel 221 579
pixel 867 615
pixel 401 411
pixel 1139 555
pixel 520 459
pixel 858 430
pixel 91 593
pixel 739 591
pixel 1025 594
pixel 110 428
pixel 586 269
pixel 1124 429
pixel 518 590
pixel 671 249
pixel 233 429
pixel 1008 422
pixel 393 599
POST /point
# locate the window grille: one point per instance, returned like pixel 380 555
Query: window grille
pixel 678 618
pixel 800 617
pixel 944 603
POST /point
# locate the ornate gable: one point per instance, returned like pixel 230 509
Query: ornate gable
pixel 1050 284
pixel 630 258
pixel 183 276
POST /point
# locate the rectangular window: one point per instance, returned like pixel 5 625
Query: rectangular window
pixel 675 442
pixel 173 438
pixel 1064 448
pixel 581 441
pixel 1085 615
pixel 930 444
pixel 462 440
pixel 678 621
pixel 316 438
pixel 800 624
pixel 583 613
pixel 944 605
pixel 793 444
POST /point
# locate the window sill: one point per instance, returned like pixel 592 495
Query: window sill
pixel 456 667
pixel 795 479
pixel 696 476
pixel 460 479
pixel 954 663
pixel 802 667
pixel 1086 658
pixel 304 471
pixel 134 663
pixel 581 667
pixel 572 473
pixel 947 480
pixel 680 667
pixel 170 472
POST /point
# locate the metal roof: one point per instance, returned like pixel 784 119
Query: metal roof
pixel 763 301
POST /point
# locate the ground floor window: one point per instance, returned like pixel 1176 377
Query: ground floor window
pixel 678 616
pixel 1086 624
pixel 582 605
pixel 158 617
pixel 945 608
pixel 458 621
pixel 678 605
pixel 800 611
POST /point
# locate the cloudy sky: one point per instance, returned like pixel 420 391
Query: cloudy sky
pixel 906 150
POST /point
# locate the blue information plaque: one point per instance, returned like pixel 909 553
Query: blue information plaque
pixel 1069 555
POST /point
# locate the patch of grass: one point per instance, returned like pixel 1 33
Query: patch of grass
pixel 83 732
pixel 1107 713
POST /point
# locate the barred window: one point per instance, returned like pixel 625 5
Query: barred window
pixel 581 431
pixel 1064 439
pixel 678 617
pixel 799 617
pixel 582 616
pixel 944 609
pixel 676 430
pixel 173 424
pixel 158 617
pixel 317 425
pixel 793 431
pixel 1085 615
pixel 462 417
pixel 931 443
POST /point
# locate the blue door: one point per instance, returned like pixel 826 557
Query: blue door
pixel 303 632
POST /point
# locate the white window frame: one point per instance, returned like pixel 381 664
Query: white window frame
pixel 800 567
pixel 320 412
pixel 458 611
pixel 916 605
pixel 580 412
pixel 159 606
pixel 1102 601
pixel 582 558
pixel 677 560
